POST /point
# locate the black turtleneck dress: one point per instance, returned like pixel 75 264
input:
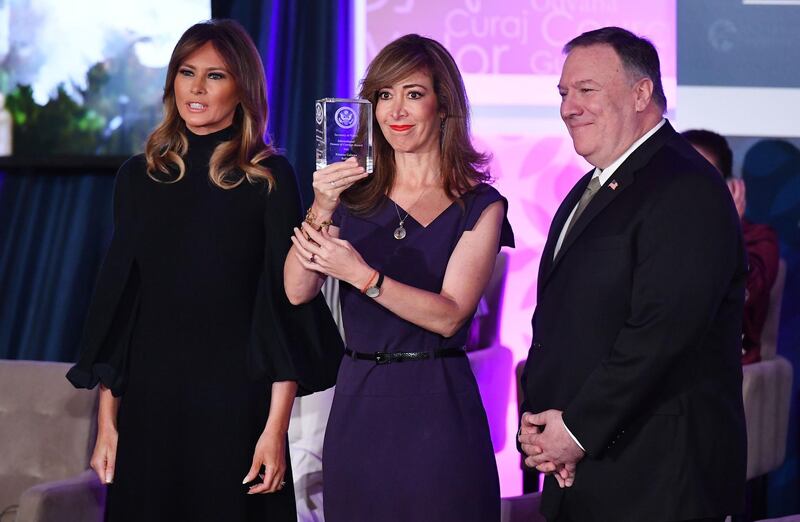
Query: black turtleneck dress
pixel 190 325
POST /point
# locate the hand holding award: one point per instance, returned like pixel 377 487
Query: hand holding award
pixel 344 130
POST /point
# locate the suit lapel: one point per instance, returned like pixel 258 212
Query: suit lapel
pixel 619 181
pixel 559 219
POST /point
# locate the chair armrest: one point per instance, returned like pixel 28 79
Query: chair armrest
pixel 766 391
pixel 493 368
pixel 524 508
pixel 81 497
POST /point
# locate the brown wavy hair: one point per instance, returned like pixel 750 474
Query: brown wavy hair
pixel 240 157
pixel 460 164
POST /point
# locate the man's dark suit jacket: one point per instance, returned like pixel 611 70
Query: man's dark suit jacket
pixel 636 337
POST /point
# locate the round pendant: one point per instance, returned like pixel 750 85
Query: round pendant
pixel 399 232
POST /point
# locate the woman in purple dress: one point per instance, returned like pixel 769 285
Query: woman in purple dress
pixel 407 437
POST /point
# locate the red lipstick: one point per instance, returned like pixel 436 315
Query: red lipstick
pixel 400 128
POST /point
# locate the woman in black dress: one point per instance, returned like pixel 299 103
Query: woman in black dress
pixel 197 350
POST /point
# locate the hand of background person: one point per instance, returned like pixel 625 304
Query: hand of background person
pixel 331 181
pixel 738 192
pixel 552 449
pixel 271 453
pixel 104 455
pixel 331 256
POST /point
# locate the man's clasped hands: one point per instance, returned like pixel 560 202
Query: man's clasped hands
pixel 549 447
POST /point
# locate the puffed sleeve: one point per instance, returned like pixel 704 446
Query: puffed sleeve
pixel 476 202
pixel 287 342
pixel 112 310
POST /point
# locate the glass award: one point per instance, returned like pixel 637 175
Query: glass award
pixel 344 130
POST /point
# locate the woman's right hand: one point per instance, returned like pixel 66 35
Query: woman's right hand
pixel 104 455
pixel 331 181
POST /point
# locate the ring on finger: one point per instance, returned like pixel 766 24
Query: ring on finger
pixel 333 182
pixel 283 483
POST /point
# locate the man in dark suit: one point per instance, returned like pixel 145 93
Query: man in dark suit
pixel 632 387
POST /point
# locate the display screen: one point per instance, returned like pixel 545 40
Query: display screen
pixel 737 71
pixel 85 77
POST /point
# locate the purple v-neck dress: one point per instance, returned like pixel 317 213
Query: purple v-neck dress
pixel 408 441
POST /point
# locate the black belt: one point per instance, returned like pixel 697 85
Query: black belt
pixel 391 357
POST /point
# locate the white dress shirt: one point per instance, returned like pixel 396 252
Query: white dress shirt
pixel 605 174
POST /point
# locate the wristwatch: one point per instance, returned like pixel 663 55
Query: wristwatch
pixel 375 290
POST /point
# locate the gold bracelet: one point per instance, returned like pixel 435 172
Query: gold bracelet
pixel 311 219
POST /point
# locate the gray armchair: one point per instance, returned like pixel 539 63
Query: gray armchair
pixel 767 390
pixel 491 362
pixel 522 508
pixel 47 431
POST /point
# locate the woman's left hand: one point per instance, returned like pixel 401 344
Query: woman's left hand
pixel 271 453
pixel 318 250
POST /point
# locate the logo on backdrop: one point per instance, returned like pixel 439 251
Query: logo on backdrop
pixel 345 117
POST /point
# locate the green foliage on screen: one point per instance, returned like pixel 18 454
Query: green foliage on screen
pixel 118 90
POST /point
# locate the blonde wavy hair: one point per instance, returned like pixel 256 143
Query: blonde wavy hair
pixel 240 157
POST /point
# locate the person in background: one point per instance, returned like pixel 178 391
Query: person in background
pixel 197 350
pixel 761 243
pixel 414 246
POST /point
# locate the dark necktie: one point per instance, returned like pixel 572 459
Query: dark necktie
pixel 588 194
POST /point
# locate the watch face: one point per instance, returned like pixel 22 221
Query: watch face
pixel 373 292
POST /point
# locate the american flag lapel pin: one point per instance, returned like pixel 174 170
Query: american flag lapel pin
pixel 613 185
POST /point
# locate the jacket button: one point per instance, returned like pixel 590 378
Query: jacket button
pixel 536 345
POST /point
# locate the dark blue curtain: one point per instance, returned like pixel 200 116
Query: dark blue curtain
pixel 55 227
pixel 306 49
pixel 53 233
